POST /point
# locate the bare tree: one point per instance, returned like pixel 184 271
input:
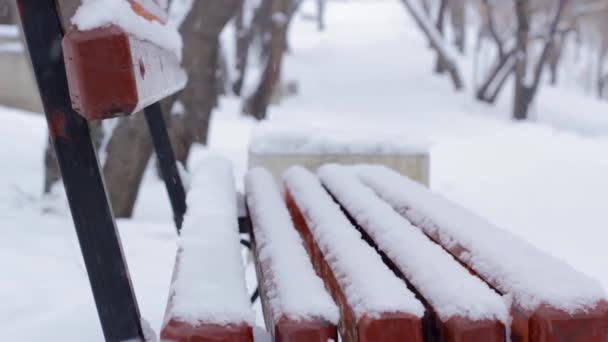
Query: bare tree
pixel 526 89
pixel 6 12
pixel 521 100
pixel 443 5
pixel 458 9
pixel 282 12
pixel 436 41
pixel 321 14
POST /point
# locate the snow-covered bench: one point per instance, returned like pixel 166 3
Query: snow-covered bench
pixel 296 305
pixel 459 306
pixel 550 300
pixel 120 58
pixel 374 304
pixel 208 299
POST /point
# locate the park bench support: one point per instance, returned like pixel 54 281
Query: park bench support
pixel 166 161
pixel 93 218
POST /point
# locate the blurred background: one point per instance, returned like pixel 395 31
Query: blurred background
pixel 506 101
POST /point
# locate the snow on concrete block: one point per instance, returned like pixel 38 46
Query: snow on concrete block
pixel 297 307
pixel 278 148
pixel 208 298
pixel 459 305
pixel 373 302
pixel 550 299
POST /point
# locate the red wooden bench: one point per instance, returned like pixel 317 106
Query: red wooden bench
pixel 295 303
pixel 105 69
pixel 551 301
pixel 374 304
pixel 459 306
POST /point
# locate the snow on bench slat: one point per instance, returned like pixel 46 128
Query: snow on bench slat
pixel 209 284
pixel 509 263
pixel 94 14
pixel 368 285
pixel 297 295
pixel 449 288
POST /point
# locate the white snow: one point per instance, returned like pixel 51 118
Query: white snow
pixel 449 288
pixel 512 265
pixel 368 284
pixel 364 75
pixel 294 289
pixel 209 283
pixel 94 14
pixel 9 31
pixel 308 139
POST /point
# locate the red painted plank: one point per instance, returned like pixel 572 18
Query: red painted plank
pixel 287 329
pixel 385 327
pixel 111 73
pixel 183 332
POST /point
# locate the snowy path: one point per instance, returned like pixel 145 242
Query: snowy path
pixel 370 70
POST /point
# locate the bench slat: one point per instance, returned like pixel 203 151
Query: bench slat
pixel 121 60
pixel 373 302
pixel 459 305
pixel 111 73
pixel 209 299
pixel 550 298
pixel 296 305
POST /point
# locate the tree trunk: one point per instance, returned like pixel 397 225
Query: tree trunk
pixel 497 77
pixel 440 64
pixel 520 101
pixel 436 42
pixel 458 11
pixel 128 151
pixel 529 91
pixel 321 14
pixel 257 104
pixel 6 12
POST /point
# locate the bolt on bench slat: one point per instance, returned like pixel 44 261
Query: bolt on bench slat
pixel 296 304
pixel 551 300
pixel 374 304
pixel 209 299
pixel 459 305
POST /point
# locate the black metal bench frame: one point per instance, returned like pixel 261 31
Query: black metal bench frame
pixel 84 184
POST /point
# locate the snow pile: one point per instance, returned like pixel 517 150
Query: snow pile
pixel 448 287
pixel 277 139
pixel 369 286
pixel 512 265
pixel 297 295
pixel 209 284
pixel 94 14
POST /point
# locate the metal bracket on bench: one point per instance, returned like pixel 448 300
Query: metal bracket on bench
pixel 93 218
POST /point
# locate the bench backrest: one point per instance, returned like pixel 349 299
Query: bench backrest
pixel 120 63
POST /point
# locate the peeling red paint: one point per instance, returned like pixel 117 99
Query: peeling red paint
pixel 57 125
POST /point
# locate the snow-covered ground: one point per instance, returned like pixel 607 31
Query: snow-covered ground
pixel 369 73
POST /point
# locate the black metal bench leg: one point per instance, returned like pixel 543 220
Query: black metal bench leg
pixel 166 161
pixel 91 212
